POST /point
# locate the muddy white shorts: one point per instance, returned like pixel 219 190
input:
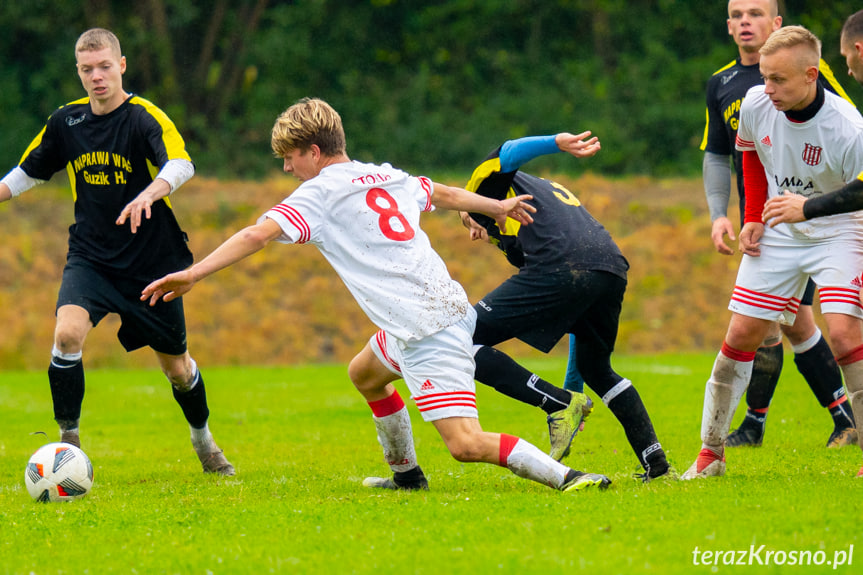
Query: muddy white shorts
pixel 437 369
pixel 770 286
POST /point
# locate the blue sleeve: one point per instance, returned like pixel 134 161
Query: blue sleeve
pixel 514 153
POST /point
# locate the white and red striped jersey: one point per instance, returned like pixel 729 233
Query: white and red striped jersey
pixel 808 158
pixel 364 218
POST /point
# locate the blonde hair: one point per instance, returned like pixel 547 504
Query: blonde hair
pixel 98 39
pixel 309 121
pixel 791 37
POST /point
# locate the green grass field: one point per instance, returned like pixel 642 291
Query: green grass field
pixel 302 440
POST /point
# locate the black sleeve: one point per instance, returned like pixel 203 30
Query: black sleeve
pixel 847 199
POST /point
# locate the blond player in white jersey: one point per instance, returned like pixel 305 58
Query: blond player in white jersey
pixel 364 218
pixel 796 137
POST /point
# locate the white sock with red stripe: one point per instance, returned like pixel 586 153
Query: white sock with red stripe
pixel 394 432
pixel 529 462
pixel 728 381
pixel 851 365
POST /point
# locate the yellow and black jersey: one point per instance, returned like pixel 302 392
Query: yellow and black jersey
pixel 110 159
pixel 563 236
pixel 725 92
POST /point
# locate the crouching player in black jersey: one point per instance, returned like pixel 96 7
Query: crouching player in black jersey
pixel 571 279
pixel 124 156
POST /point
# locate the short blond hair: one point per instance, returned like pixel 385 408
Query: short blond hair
pixel 791 37
pixel 98 39
pixel 309 121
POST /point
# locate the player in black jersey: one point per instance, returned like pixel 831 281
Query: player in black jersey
pixel 124 156
pixel 750 22
pixel 571 279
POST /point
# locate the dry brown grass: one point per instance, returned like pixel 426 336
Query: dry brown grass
pixel 285 304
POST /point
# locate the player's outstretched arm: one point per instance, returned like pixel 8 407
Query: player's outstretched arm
pixel 792 208
pixel 241 245
pixel 458 199
pixel 578 145
pixel 787 208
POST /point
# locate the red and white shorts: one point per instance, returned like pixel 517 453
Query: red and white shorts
pixel 770 286
pixel 438 369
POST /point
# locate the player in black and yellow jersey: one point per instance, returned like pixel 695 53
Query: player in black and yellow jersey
pixel 123 156
pixel 571 279
pixel 750 22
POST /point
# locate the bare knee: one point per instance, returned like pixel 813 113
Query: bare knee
pixel 747 333
pixel 465 449
pixel 180 370
pixel 68 340
pixel 466 441
pixel 846 333
pixel 803 327
pixel 368 374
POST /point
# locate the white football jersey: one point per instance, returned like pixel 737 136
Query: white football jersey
pixel 808 158
pixel 365 220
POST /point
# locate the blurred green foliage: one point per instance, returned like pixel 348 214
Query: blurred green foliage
pixel 427 86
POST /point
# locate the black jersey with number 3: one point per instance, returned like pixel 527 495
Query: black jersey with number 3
pixel 563 236
pixel 110 159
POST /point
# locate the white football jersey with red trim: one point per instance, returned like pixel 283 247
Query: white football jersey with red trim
pixel 808 158
pixel 365 220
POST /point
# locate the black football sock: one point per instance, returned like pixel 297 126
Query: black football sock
pixel 496 369
pixel 765 376
pixel 194 403
pixel 630 411
pixel 754 421
pixel 821 372
pixel 66 378
pixel 842 415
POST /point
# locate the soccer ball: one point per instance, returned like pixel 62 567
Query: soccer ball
pixel 58 472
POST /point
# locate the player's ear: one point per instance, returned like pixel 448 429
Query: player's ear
pixel 122 64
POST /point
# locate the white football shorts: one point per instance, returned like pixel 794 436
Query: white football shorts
pixel 438 369
pixel 770 286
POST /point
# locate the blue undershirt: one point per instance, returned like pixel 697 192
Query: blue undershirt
pixel 514 153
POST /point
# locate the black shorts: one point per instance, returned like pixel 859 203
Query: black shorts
pixel 540 309
pixel 161 327
pixel 809 294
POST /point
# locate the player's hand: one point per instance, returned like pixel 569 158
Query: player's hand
pixel 750 238
pixel 139 208
pixel 477 232
pixel 517 209
pixel 722 227
pixel 169 287
pixel 784 209
pixel 577 145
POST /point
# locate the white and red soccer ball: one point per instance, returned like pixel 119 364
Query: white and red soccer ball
pixel 58 472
